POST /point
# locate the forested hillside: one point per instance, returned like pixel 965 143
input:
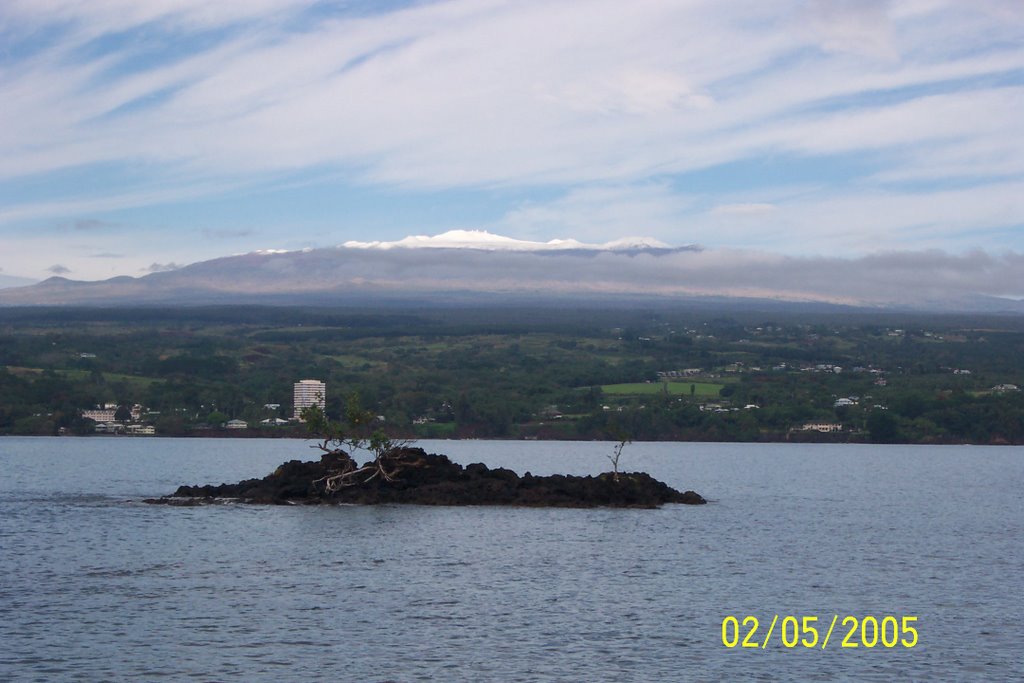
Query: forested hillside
pixel 509 372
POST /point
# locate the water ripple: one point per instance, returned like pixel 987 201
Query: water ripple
pixel 94 586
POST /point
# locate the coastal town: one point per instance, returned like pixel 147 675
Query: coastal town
pixel 544 374
pixel 136 420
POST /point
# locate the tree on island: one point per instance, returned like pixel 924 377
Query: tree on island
pixel 623 441
pixel 339 439
pixel 398 473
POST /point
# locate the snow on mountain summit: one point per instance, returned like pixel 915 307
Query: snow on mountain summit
pixel 635 243
pixel 486 241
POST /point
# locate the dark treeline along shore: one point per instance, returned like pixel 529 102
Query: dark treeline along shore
pixel 696 371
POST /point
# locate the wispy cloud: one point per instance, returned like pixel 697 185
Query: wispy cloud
pixel 604 114
pixel 752 209
pixel 862 220
pixel 58 269
pixel 90 224
pixel 598 212
pixel 226 234
pixel 111 199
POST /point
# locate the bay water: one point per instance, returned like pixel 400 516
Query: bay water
pixel 96 585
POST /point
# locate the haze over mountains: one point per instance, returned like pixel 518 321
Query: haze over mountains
pixel 466 264
pixel 12 281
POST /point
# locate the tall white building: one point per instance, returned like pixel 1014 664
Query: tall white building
pixel 309 392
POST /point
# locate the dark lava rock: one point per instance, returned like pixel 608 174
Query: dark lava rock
pixel 428 479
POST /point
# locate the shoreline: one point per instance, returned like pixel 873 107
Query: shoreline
pixel 801 439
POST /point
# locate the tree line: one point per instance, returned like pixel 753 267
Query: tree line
pixel 509 374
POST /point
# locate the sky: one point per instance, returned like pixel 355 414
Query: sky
pixel 143 136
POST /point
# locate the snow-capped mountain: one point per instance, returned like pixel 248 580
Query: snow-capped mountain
pixel 486 241
pixel 467 261
pixel 472 265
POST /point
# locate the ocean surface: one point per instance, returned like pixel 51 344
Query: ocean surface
pixel 97 586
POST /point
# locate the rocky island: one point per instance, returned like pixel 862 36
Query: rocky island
pixel 411 475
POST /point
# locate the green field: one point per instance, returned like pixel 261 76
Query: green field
pixel 675 388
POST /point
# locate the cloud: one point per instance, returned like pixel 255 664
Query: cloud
pixel 58 269
pixel 930 278
pixel 113 200
pixel 798 220
pixel 613 107
pixel 161 267
pixel 92 224
pixel 438 94
pixel 755 209
pixel 861 27
pixel 108 254
pixel 862 220
pixel 224 234
pixel 603 213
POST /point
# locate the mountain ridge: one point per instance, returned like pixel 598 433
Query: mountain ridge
pixel 635 270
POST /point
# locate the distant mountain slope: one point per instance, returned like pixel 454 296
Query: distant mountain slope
pixel 7 281
pixel 348 272
pixel 478 266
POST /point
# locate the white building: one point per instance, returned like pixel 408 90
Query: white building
pixel 823 427
pixel 309 392
pixel 100 415
pixel 142 430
